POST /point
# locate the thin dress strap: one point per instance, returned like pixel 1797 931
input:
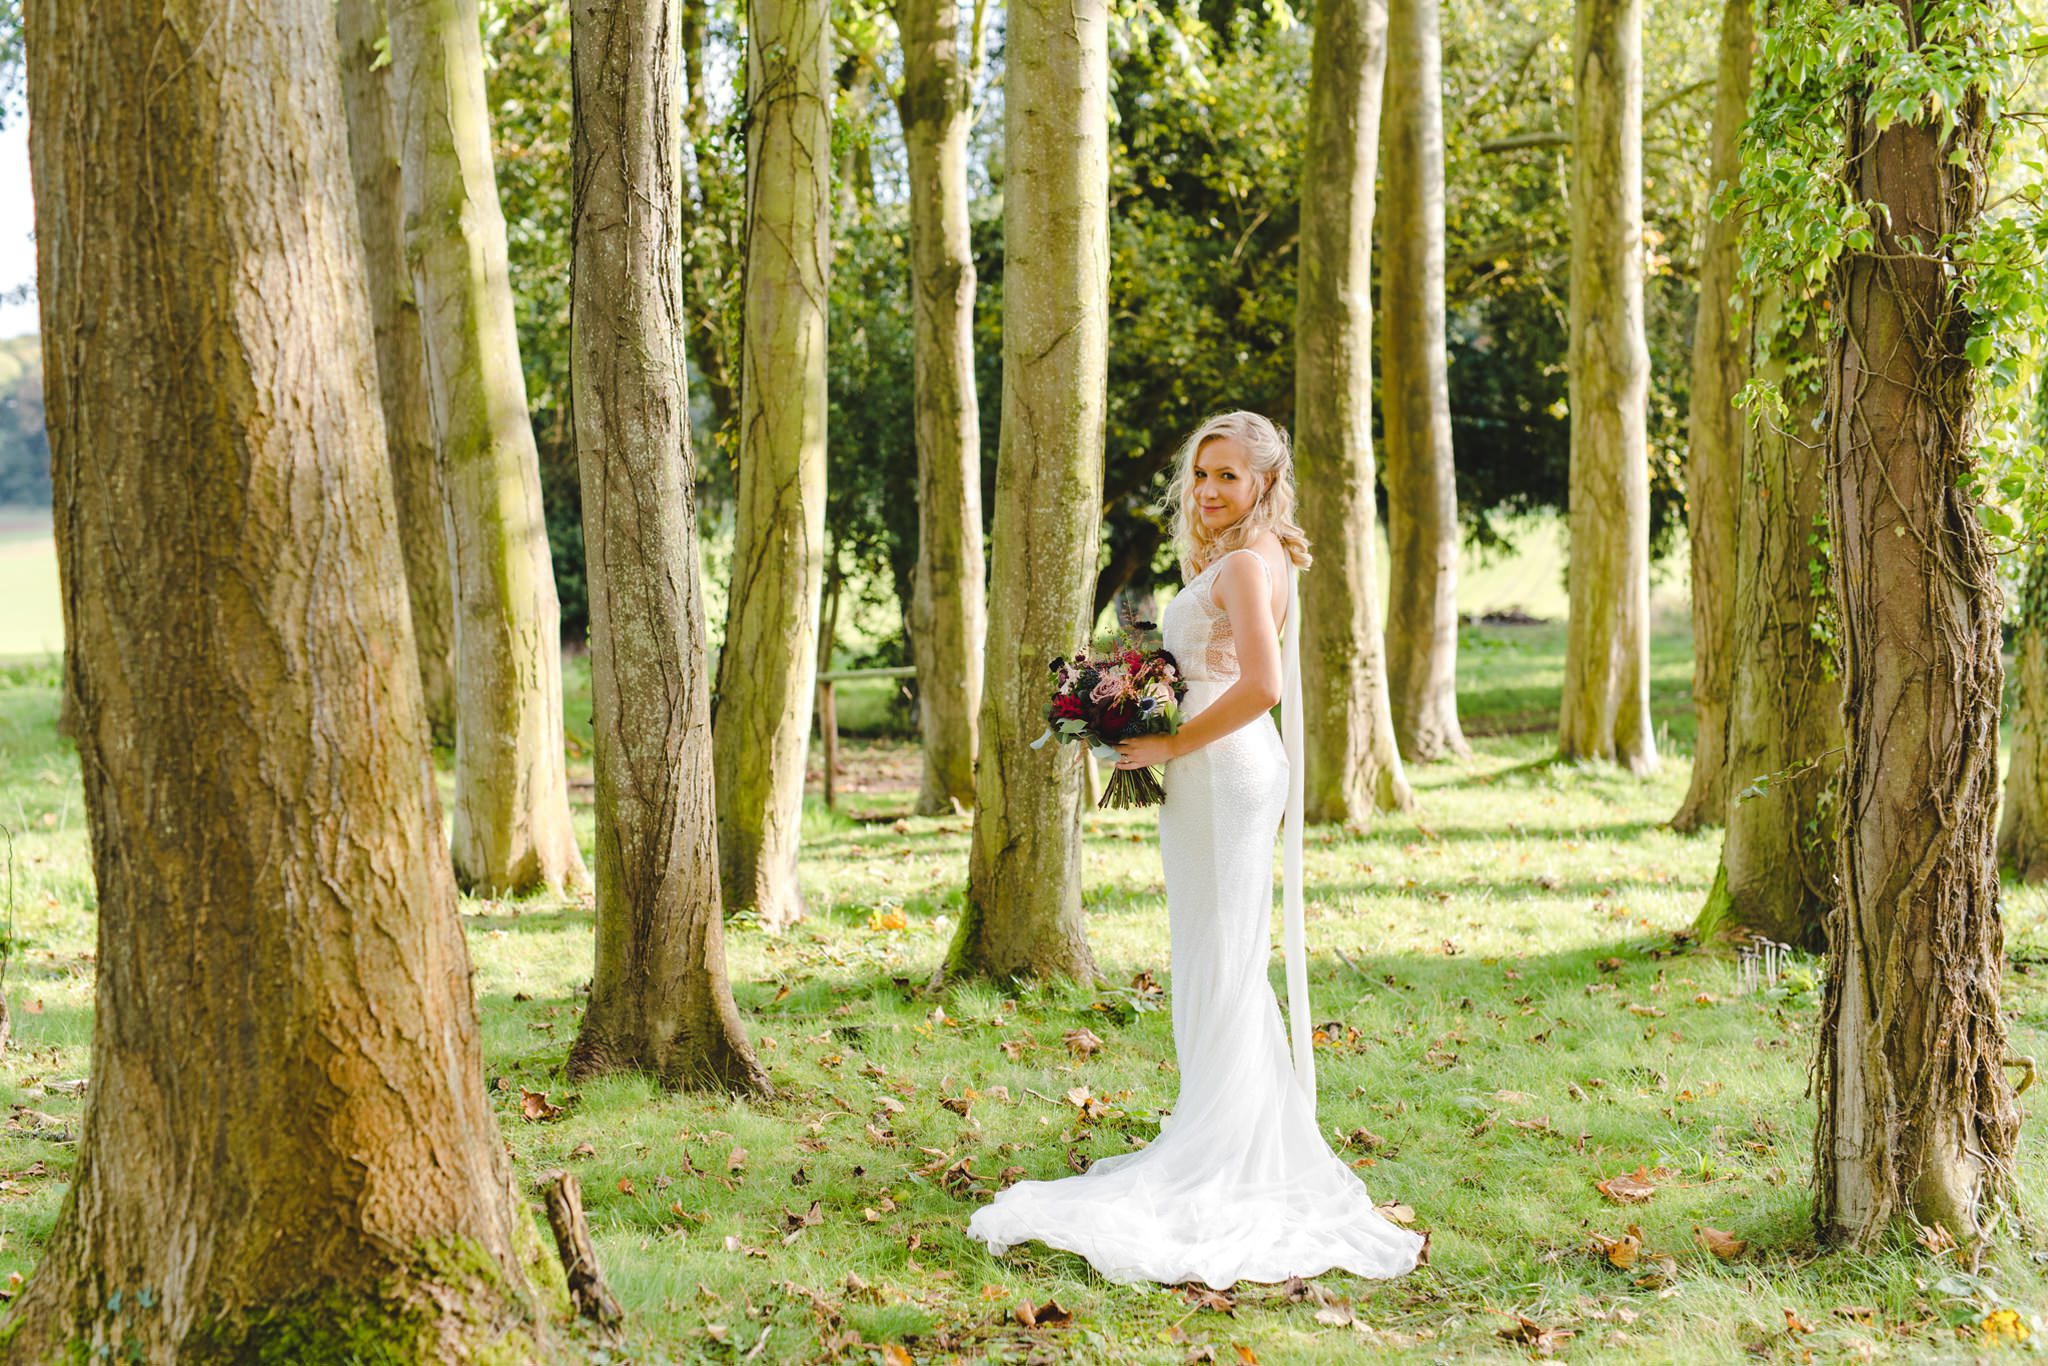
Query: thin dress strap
pixel 1265 565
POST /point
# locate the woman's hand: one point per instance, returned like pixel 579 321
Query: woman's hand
pixel 1145 751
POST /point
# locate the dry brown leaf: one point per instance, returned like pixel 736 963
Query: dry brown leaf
pixel 1202 1297
pixel 1245 1355
pixel 583 1150
pixel 1620 1252
pixel 1396 1213
pixel 1047 1315
pixel 1533 1335
pixel 625 1185
pixel 894 1355
pixel 1632 1188
pixel 534 1105
pixel 1083 1043
pixel 736 1159
pixel 1796 1325
pixel 1721 1243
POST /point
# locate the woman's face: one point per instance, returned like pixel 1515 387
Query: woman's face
pixel 1225 486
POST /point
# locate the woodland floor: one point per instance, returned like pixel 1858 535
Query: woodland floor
pixel 1516 1015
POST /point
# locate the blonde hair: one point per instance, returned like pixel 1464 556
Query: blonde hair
pixel 1265 445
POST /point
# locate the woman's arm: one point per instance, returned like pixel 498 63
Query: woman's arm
pixel 1245 593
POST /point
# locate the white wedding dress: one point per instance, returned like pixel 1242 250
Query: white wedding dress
pixel 1239 1184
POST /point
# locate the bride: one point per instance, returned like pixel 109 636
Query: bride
pixel 1239 1184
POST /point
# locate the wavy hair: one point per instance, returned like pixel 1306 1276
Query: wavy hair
pixel 1265 445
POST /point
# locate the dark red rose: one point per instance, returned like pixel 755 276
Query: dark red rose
pixel 1066 707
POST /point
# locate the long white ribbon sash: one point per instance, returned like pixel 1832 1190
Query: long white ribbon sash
pixel 1294 936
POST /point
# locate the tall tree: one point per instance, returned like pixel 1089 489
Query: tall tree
pixel 659 999
pixel 1916 1114
pixel 768 668
pixel 401 356
pixel 1354 763
pixel 1714 441
pixel 287 1150
pixel 948 618
pixel 1415 396
pixel 2023 811
pixel 1606 707
pixel 512 830
pixel 1023 910
pixel 1784 744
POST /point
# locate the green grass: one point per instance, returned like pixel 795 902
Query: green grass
pixel 1496 942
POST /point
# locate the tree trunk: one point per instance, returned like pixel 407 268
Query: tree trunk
pixel 287 1151
pixel 659 1000
pixel 1713 465
pixel 1023 909
pixel 948 612
pixel 512 830
pixel 1415 396
pixel 401 356
pixel 1785 715
pixel 768 669
pixel 1916 1114
pixel 1354 763
pixel 2023 816
pixel 1606 708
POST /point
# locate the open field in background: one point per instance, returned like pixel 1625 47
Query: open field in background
pixel 31 613
pixel 1515 1014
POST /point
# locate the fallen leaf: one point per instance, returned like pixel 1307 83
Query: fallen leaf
pixel 1538 1339
pixel 1245 1355
pixel 1047 1315
pixel 1083 1043
pixel 1722 1244
pixel 736 1159
pixel 625 1185
pixel 1796 1325
pixel 894 1355
pixel 534 1105
pixel 888 920
pixel 1396 1213
pixel 1632 1188
pixel 583 1150
pixel 1620 1252
pixel 1202 1297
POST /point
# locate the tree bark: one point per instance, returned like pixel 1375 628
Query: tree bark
pixel 1784 737
pixel 1714 446
pixel 287 1151
pixel 1415 396
pixel 512 830
pixel 768 669
pixel 659 999
pixel 1354 762
pixel 1606 708
pixel 1916 1115
pixel 423 530
pixel 2023 814
pixel 948 612
pixel 1023 909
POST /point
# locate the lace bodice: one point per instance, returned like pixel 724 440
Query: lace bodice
pixel 1197 628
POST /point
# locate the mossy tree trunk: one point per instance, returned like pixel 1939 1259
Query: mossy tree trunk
pixel 1917 1117
pixel 1713 463
pixel 768 669
pixel 948 615
pixel 287 1152
pixel 512 830
pixel 1023 908
pixel 2023 813
pixel 659 999
pixel 1606 708
pixel 1784 743
pixel 1415 396
pixel 401 356
pixel 1354 763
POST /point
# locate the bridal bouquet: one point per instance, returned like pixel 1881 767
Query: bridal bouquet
pixel 1109 693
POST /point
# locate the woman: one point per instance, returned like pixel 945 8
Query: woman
pixel 1239 1184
